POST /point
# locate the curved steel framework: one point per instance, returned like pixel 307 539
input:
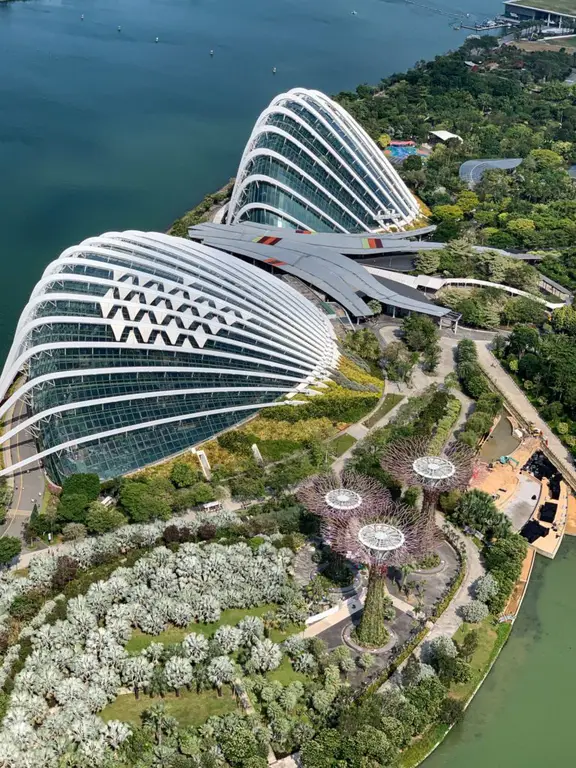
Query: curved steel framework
pixel 308 164
pixel 393 535
pixel 135 346
pixel 328 495
pixel 410 462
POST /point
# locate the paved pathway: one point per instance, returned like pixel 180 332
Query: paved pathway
pixel 524 410
pixel 450 620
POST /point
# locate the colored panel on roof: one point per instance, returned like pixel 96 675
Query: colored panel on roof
pixel 267 240
pixel 305 232
pixel 369 243
pixel 274 262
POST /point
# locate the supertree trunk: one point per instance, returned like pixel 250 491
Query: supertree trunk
pixel 371 631
pixel 429 502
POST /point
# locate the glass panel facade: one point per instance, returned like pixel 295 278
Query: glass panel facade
pixel 350 183
pixel 253 338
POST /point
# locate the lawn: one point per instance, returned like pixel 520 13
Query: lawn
pixel 491 639
pixel 190 708
pixel 286 674
pixel 341 444
pixel 390 401
pixel 232 616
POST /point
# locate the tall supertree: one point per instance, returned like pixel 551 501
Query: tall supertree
pixel 392 535
pixel 329 494
pixel 410 462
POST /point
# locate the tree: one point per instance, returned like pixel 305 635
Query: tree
pixel 469 644
pixel 265 656
pixel 384 140
pixel 485 587
pixel 363 343
pixel 221 670
pixel 474 612
pixel 72 508
pixel 246 488
pixel 144 501
pixel 137 673
pixel 451 710
pixel 375 307
pixel 468 201
pixel 411 672
pixel 431 358
pixel 178 673
pixel 74 531
pixel 448 213
pixel 183 475
pixel 101 518
pixel 419 332
pixel 84 484
pixel 10 547
pixel 66 570
pixel 160 722
pixel 427 262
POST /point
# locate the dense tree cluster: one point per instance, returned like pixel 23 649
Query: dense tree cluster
pixel 545 365
pixel 511 106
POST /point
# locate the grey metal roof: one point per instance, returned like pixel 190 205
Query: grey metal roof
pixel 322 266
pixel 472 170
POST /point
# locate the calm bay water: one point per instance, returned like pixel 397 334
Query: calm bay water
pixel 522 717
pixel 104 130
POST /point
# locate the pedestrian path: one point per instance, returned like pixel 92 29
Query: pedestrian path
pixel 525 411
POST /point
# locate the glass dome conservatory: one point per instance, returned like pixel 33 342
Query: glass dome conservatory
pixel 135 346
pixel 309 165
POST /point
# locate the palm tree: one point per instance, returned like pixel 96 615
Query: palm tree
pixel 227 638
pixel 252 628
pixel 116 732
pixel 137 673
pixel 265 656
pixel 195 647
pixel 178 672
pixel 221 670
pixel 159 721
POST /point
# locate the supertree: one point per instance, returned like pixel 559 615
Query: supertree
pixel 393 535
pixel 410 462
pixel 329 494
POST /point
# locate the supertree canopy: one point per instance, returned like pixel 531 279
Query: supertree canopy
pixel 410 462
pixel 392 535
pixel 328 495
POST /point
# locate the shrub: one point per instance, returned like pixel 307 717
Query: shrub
pixel 25 607
pixel 451 710
pixel 10 547
pixel 74 531
pixel 474 612
pixel 485 587
pixel 182 475
pixel 87 485
pixel 66 570
pixel 102 519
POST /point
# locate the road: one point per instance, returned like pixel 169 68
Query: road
pixel 29 482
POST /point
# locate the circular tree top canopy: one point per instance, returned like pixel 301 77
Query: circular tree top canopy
pixel 381 537
pixel 434 468
pixel 343 498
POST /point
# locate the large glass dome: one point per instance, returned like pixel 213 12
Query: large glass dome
pixel 135 346
pixel 308 164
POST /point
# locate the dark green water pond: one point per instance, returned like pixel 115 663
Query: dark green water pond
pixel 523 716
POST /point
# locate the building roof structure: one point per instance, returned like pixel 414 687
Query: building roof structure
pixel 318 260
pixel 135 346
pixel 309 164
